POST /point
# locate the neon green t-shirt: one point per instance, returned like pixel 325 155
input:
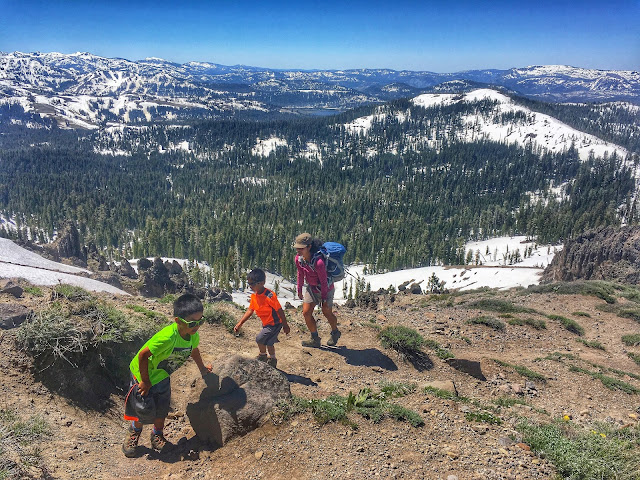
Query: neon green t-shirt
pixel 168 352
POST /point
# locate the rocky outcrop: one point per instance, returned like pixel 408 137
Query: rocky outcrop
pixel 12 315
pixel 126 270
pixel 603 254
pixel 67 244
pixel 155 279
pixel 96 262
pixel 11 288
pixel 235 399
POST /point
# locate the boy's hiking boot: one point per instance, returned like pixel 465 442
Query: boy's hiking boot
pixel 262 357
pixel 131 442
pixel 314 342
pixel 334 338
pixel 272 362
pixel 158 442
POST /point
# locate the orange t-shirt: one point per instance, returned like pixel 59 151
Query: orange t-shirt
pixel 266 306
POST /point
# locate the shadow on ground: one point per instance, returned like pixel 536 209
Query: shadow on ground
pixel 368 357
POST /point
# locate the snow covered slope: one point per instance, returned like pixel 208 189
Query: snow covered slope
pixel 17 262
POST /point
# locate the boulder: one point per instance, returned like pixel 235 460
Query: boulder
pixel 67 244
pixel 155 280
pixel 10 287
pixel 12 315
pixel 234 399
pixel 415 289
pixel 126 270
pixel 144 264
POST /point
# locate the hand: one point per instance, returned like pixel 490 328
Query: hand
pixel 237 327
pixel 286 328
pixel 300 296
pixel 143 388
pixel 206 369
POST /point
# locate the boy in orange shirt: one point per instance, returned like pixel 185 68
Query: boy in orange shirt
pixel 266 305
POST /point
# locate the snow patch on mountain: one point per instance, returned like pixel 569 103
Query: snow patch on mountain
pixel 529 128
pixel 264 147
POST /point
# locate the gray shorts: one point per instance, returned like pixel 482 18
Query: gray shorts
pixel 269 334
pixel 311 296
pixel 152 406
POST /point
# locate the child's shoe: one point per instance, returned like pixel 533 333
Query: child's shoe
pixel 272 362
pixel 334 338
pixel 131 442
pixel 158 442
pixel 262 357
pixel 314 342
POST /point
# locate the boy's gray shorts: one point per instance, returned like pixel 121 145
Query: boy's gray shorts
pixel 311 296
pixel 269 334
pixel 152 406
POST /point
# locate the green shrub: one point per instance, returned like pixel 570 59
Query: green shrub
pixel 628 312
pixel 531 322
pixel 148 313
pixel 20 439
pixel 444 394
pixel 441 353
pixel 635 357
pixel 591 343
pixel 35 291
pixel 404 414
pixel 524 371
pixel 404 340
pixel 168 298
pixel 501 306
pixel 581 314
pixel 571 325
pixel 599 452
pixel 631 340
pixel 604 290
pixel 488 321
pixel 609 382
pixel 396 389
pixel 71 293
pixel 214 313
pixel 483 417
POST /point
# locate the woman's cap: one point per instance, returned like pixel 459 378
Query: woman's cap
pixel 302 240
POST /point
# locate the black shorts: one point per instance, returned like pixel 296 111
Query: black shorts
pixel 269 334
pixel 152 406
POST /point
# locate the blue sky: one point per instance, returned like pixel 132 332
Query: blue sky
pixel 438 36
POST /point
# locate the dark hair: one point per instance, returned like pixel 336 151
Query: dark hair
pixel 256 275
pixel 316 243
pixel 186 305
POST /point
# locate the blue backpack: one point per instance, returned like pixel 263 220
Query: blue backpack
pixel 332 253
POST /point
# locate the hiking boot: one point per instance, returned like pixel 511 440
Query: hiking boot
pixel 334 338
pixel 314 342
pixel 262 357
pixel 131 442
pixel 158 442
pixel 272 362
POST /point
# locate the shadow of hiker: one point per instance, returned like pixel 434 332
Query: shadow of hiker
pixel 369 357
pixel 299 379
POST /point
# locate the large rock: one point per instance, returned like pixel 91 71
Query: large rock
pixel 603 254
pixel 235 399
pixel 12 315
pixel 155 280
pixel 126 270
pixel 11 288
pixel 67 244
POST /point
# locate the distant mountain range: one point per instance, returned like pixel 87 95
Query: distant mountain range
pixel 87 91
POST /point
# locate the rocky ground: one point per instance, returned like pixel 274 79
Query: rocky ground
pixel 86 442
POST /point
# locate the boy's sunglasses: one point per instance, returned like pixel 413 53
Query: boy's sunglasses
pixel 195 323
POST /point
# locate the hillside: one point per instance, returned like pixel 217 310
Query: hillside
pixel 535 369
pixel 87 91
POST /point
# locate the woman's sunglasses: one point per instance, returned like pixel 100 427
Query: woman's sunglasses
pixel 195 323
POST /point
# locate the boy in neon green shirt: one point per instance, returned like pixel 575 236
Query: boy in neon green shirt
pixel 149 397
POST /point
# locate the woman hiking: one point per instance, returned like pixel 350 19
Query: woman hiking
pixel 312 270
